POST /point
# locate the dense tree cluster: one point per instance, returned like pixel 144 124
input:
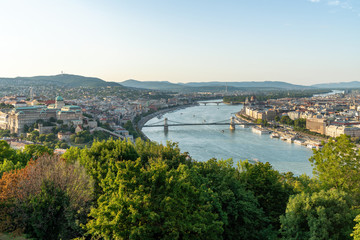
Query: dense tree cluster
pixel 119 190
pixel 276 94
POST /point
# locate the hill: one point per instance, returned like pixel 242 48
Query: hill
pixel 341 85
pixel 264 84
pixel 63 80
pixel 210 86
pixel 153 85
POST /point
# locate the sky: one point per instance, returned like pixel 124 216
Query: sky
pixel 296 41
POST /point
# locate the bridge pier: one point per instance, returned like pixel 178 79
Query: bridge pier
pixel 232 123
pixel 166 126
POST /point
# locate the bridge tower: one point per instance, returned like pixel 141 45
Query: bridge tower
pixel 166 126
pixel 232 123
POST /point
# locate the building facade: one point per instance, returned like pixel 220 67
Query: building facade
pixel 15 119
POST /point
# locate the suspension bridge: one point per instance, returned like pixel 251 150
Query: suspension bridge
pixel 213 102
pixel 166 123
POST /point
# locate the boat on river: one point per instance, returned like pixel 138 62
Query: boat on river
pixel 275 135
pixel 260 130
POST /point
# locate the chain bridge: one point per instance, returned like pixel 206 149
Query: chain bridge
pixel 166 123
pixel 205 103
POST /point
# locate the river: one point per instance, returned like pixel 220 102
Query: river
pixel 205 142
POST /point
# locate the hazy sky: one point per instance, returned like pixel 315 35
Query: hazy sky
pixel 297 41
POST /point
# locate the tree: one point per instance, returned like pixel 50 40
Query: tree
pixel 356 232
pixel 286 120
pixel 268 187
pixel 46 211
pixel 102 158
pixel 20 200
pixel 52 119
pixel 11 159
pixel 35 151
pixel 337 165
pixel 237 208
pixel 26 128
pixel 170 153
pixel 323 215
pixel 154 202
pixel 300 124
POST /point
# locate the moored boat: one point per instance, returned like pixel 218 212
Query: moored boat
pixel 260 130
pixel 274 135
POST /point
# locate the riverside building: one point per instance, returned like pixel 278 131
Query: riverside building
pixel 15 119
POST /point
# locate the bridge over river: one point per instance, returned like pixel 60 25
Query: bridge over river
pixel 208 102
pixel 171 123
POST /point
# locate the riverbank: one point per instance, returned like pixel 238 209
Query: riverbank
pixel 289 135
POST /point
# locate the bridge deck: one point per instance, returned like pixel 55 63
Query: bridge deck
pixel 198 124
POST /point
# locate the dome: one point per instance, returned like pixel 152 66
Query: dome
pixel 58 98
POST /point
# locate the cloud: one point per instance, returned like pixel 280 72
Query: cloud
pixel 351 5
pixel 334 3
pixel 345 4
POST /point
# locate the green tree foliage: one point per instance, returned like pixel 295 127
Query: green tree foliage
pixel 286 120
pixel 268 187
pixel 156 192
pixel 263 96
pixel 170 153
pixel 46 213
pixel 11 159
pixel 356 232
pixel 300 124
pixel 237 208
pixel 87 137
pixel 35 151
pixel 302 183
pixel 337 165
pixel 324 215
pixel 155 202
pixel 130 127
pixel 101 158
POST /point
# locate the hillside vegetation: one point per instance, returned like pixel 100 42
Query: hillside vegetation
pixel 119 190
pixel 63 80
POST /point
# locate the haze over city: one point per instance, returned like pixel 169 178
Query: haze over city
pixel 298 41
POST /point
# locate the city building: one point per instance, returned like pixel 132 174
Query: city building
pixel 16 119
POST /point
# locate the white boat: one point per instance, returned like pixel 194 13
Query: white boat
pixel 274 135
pixel 260 130
pixel 290 139
pixel 298 142
pixel 311 146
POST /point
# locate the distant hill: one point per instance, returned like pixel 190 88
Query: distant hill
pixel 64 80
pixel 153 85
pixel 265 84
pixel 209 86
pixel 354 84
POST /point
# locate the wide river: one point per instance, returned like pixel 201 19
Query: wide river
pixel 205 142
